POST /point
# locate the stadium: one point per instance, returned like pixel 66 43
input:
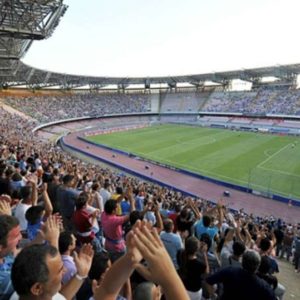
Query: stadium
pixel 177 139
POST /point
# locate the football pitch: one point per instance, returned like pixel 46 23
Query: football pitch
pixel 267 163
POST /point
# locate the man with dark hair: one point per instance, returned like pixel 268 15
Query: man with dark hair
pixel 66 196
pixel 10 235
pixel 205 224
pixel 105 192
pixel 38 269
pixel 242 283
pixel 66 246
pixel 234 260
pixel 213 261
pixel 265 248
pixel 83 222
pixel 29 198
pixel 112 227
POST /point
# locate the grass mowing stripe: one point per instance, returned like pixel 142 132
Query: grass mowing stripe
pixel 240 157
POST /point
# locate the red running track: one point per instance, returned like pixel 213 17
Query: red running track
pixel 251 203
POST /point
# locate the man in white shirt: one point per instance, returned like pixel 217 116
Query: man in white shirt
pixel 105 193
pixel 29 198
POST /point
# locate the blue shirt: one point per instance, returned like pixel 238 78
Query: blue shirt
pixel 32 230
pixel 125 206
pixel 200 229
pixel 6 288
pixel 173 244
pixel 139 203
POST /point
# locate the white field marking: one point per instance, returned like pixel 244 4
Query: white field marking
pixel 185 167
pixel 188 168
pixel 277 171
pixel 271 156
pixel 266 152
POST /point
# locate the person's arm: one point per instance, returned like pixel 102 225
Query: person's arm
pixel 83 262
pixel 129 195
pixel 47 202
pixel 248 237
pixel 237 231
pixel 220 212
pixel 34 192
pixel 159 223
pixel 203 249
pixel 119 273
pixel 127 291
pixel 213 279
pixel 195 209
pixel 114 279
pixel 160 267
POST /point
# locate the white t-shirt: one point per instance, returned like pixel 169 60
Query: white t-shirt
pixel 98 201
pixel 90 210
pixel 20 212
pixel 105 194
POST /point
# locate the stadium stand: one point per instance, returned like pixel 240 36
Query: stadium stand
pixel 52 108
pixel 49 172
pixel 49 108
pixel 52 203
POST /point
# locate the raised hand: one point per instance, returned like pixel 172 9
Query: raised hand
pixel 83 260
pixel 51 230
pixel 160 267
pixel 132 250
pixel 149 244
pixel 5 208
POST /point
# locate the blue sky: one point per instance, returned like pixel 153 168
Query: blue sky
pixel 170 37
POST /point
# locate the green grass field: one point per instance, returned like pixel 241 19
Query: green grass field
pixel 267 163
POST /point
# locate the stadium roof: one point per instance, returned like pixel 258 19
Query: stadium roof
pixel 33 77
pixel 23 21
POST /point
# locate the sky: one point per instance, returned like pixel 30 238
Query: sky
pixel 139 38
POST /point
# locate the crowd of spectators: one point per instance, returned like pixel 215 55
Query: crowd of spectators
pixel 263 101
pixel 53 108
pixel 73 230
pixel 46 109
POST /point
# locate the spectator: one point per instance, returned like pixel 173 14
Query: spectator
pixel 10 235
pixel 29 198
pixel 66 196
pixel 242 283
pixel 191 269
pixel 112 229
pixel 83 222
pixel 66 246
pixel 171 241
pixel 38 270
